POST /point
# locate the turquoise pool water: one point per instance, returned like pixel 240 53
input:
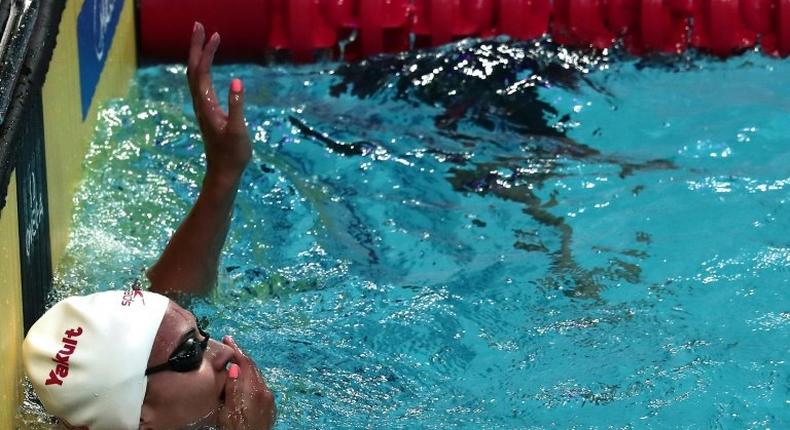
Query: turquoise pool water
pixel 493 235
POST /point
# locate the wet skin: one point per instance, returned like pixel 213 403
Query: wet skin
pixel 205 396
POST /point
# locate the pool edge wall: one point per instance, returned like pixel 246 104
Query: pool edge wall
pixel 51 163
pixel 11 298
pixel 66 135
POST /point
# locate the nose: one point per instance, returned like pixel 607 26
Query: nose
pixel 218 355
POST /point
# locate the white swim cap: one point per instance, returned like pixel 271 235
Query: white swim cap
pixel 87 355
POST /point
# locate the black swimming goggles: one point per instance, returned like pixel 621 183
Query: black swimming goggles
pixel 186 358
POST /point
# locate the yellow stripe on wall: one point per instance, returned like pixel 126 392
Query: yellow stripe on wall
pixel 67 137
pixel 11 302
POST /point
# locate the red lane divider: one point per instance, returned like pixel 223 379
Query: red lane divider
pixel 308 14
pixel 757 15
pixel 252 29
pixel 436 22
pixel 582 23
pixel 381 26
pixel 523 19
pixel 782 30
pixel 621 15
pixel 476 19
pixel 166 26
pixel 660 28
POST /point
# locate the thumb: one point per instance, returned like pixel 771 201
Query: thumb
pixel 231 410
pixel 236 105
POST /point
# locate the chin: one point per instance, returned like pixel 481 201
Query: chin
pixel 211 420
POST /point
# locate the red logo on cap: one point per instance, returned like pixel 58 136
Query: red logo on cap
pixel 61 371
pixel 133 293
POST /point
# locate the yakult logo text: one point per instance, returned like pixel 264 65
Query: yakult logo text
pixel 61 370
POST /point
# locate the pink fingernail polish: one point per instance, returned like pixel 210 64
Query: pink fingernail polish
pixel 233 372
pixel 235 85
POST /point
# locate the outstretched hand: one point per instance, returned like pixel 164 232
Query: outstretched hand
pixel 225 136
pixel 189 263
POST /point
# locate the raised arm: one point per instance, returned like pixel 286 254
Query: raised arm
pixel 189 262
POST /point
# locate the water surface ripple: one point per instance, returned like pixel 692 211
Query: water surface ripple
pixel 491 235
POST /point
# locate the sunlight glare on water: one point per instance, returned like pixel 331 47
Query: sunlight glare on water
pixel 491 235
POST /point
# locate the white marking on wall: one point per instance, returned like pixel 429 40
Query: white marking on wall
pixel 36 214
pixel 102 15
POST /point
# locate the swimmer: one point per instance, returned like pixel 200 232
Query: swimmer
pixel 135 359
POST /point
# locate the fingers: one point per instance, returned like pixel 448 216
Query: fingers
pixel 247 368
pixel 248 401
pixel 231 393
pixel 234 371
pixel 231 410
pixel 207 54
pixel 236 106
pixel 195 52
pixel 204 68
pixel 238 356
pixel 201 57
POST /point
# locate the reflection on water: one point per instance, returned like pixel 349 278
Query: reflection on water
pixel 493 234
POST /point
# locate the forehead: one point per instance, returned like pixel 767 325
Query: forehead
pixel 175 323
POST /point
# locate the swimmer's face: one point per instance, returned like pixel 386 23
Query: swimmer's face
pixel 176 400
